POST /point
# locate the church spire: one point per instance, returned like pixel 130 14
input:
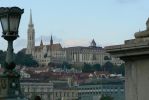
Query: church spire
pixel 30 20
pixel 51 41
pixel 30 35
pixel 41 43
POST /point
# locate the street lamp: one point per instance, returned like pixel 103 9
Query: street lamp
pixel 10 19
pixel 10 79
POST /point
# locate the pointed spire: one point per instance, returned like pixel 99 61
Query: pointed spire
pixel 30 20
pixel 41 43
pixel 51 41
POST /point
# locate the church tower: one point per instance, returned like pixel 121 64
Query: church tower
pixel 30 36
pixel 51 41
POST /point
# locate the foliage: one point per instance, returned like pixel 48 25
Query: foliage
pixel 97 67
pixel 9 66
pixel 107 58
pixel 108 66
pixel 20 59
pixel 2 57
pixel 121 69
pixel 51 64
pixel 111 68
pixel 87 68
pixel 106 98
pixel 37 98
pixel 66 65
pixel 24 59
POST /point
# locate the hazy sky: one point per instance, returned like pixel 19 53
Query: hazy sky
pixel 77 22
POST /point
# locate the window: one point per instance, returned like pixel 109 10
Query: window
pixel 56 94
pixel 72 94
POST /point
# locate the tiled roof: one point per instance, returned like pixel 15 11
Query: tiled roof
pixel 55 47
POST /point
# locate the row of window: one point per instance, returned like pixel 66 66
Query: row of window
pixel 100 92
pixel 101 87
pixel 36 89
pixel 66 94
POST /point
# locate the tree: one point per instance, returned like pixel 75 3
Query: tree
pixel 66 65
pixel 37 98
pixel 51 64
pixel 2 57
pixel 96 67
pixel 106 98
pixel 87 68
pixel 122 69
pixel 108 66
pixel 107 58
pixel 20 59
pixel 25 59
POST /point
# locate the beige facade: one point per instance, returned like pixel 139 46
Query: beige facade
pixel 47 91
pixel 32 89
pixel 81 55
pixel 44 54
pixel 90 55
pixel 65 94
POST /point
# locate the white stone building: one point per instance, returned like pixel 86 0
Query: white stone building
pixel 44 54
pixel 90 55
pixel 32 89
pixel 49 91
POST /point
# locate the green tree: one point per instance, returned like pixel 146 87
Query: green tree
pixel 2 57
pixel 87 68
pixel 122 69
pixel 108 66
pixel 106 98
pixel 51 64
pixel 37 98
pixel 24 59
pixel 66 65
pixel 96 67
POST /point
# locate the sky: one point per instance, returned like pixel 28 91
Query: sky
pixel 77 22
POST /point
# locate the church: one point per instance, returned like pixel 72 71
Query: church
pixel 43 54
pixel 55 53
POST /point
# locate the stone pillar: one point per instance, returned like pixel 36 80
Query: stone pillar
pixel 10 88
pixel 135 53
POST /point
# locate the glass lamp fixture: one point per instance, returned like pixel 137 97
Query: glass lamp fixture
pixel 10 20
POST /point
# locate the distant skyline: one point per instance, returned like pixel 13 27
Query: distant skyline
pixel 77 22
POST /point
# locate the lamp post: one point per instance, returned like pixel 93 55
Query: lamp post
pixel 10 79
